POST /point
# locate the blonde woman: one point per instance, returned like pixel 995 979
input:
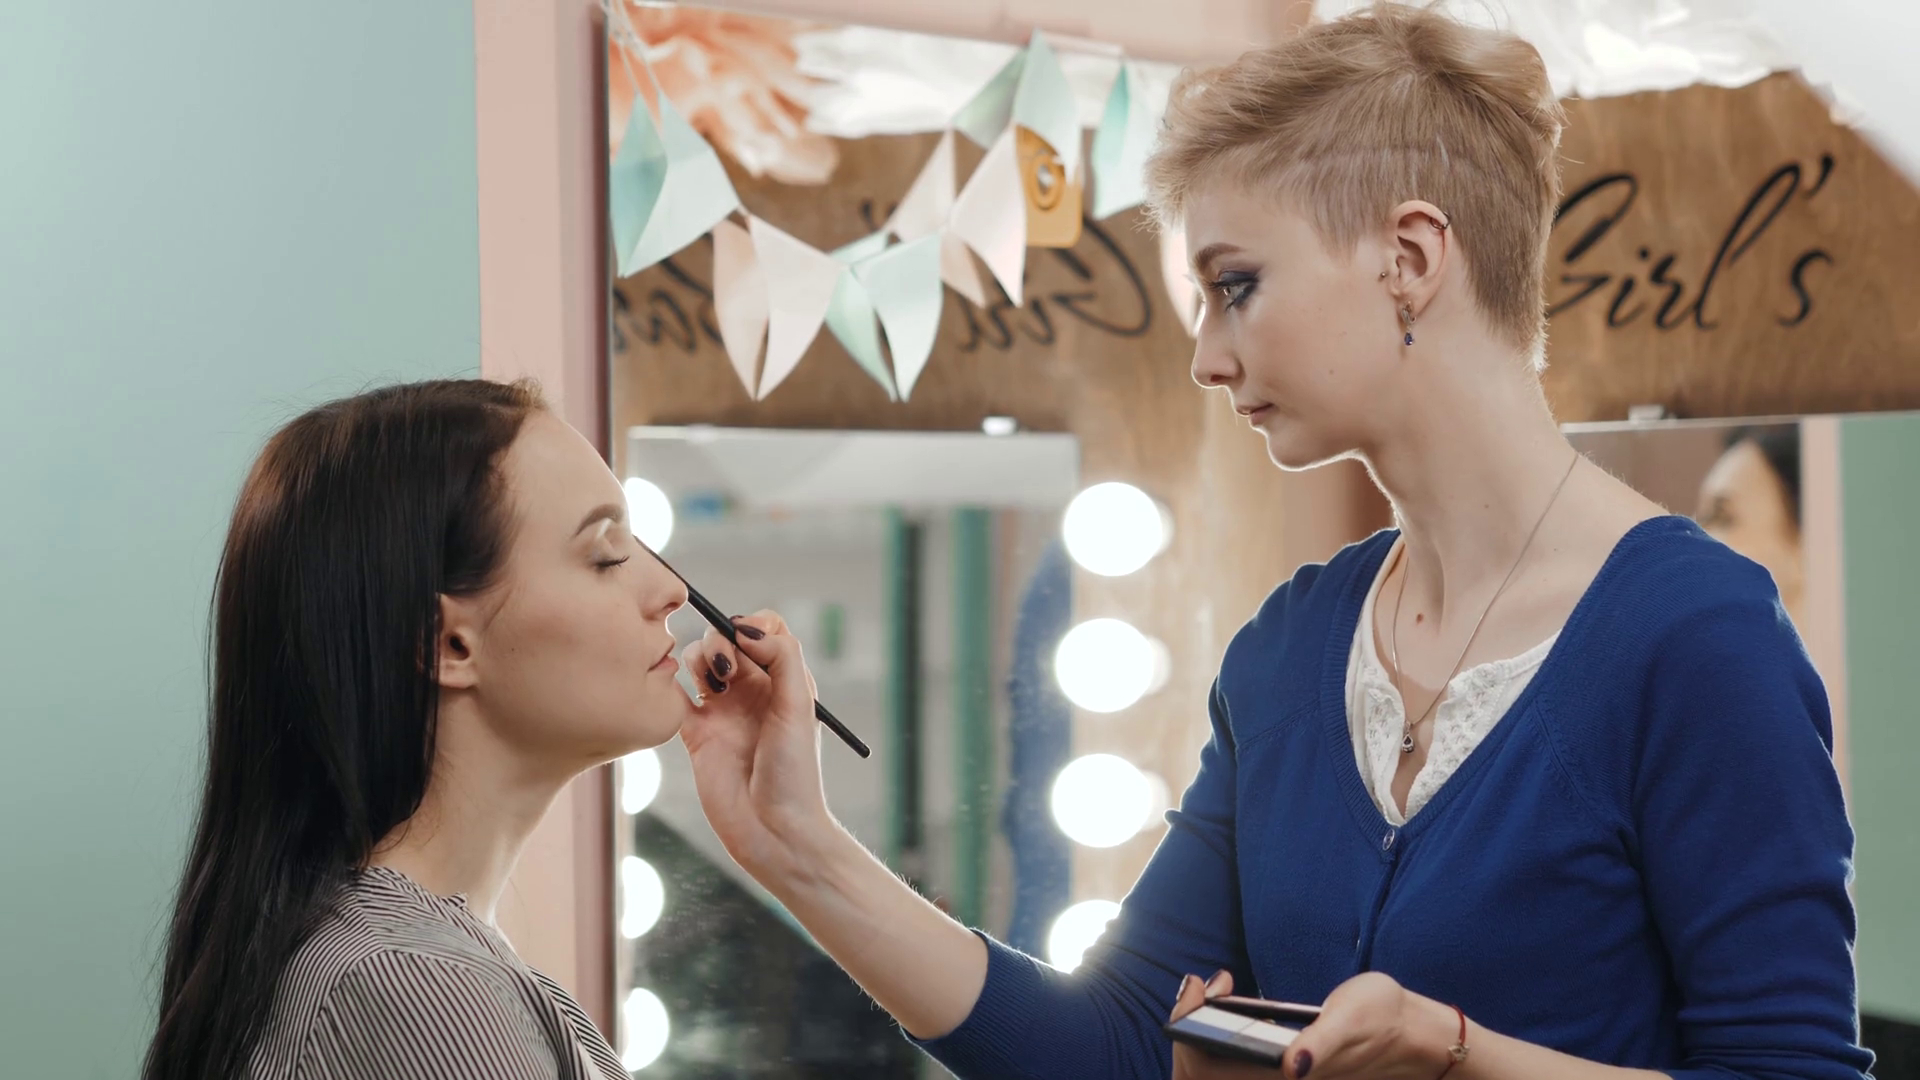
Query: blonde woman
pixel 1537 786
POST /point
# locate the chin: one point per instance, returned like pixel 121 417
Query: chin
pixel 1295 447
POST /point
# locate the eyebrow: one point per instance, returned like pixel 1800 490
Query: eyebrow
pixel 1203 262
pixel 613 512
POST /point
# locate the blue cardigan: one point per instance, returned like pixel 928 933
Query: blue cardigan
pixel 1644 864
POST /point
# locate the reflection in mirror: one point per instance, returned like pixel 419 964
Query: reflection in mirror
pixel 1744 483
pixel 924 574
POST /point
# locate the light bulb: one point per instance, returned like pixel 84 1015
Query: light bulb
pixel 639 780
pixel 642 896
pixel 649 512
pixel 1105 665
pixel 1101 800
pixel 1075 931
pixel 1113 528
pixel 646 1029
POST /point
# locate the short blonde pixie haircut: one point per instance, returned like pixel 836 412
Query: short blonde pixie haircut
pixel 1352 117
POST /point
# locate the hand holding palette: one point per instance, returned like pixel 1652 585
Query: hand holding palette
pixel 1243 1029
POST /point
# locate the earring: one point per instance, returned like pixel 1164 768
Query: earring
pixel 1406 319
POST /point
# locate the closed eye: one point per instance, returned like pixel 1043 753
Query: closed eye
pixel 608 564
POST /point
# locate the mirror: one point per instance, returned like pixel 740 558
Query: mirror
pixel 923 574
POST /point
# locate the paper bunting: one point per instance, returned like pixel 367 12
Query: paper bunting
pixel 991 110
pixel 1044 104
pixel 740 300
pixel 801 283
pixel 924 209
pixel 851 317
pixel 990 215
pixel 882 295
pixel 903 284
pixel 958 271
pixel 633 184
pixel 1120 147
pixel 695 194
pixel 1031 91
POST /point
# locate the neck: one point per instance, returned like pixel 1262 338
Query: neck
pixel 1470 468
pixel 481 805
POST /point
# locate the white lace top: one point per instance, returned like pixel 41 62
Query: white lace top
pixel 1476 699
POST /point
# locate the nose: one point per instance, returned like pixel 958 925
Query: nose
pixel 663 593
pixel 1214 363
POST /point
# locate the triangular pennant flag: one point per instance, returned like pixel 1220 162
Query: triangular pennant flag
pixel 990 214
pixel 635 178
pixel 801 282
pixel 903 284
pixel 984 117
pixel 927 203
pixel 1121 146
pixel 1044 104
pixel 739 300
pixel 958 271
pixel 695 197
pixel 850 317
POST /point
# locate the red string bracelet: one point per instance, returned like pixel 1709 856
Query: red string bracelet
pixel 1457 1053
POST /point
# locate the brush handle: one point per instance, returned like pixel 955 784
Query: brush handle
pixel 725 625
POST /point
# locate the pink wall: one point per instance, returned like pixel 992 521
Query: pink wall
pixel 542 133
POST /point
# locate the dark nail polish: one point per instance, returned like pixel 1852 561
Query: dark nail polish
pixel 722 666
pixel 714 684
pixel 1303 1065
pixel 749 632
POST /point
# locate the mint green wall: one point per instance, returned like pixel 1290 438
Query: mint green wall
pixel 1880 470
pixel 212 212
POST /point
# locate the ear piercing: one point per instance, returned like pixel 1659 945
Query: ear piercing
pixel 1406 320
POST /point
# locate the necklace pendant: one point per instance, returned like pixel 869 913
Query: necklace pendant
pixel 1406 743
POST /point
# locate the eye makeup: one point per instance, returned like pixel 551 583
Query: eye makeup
pixel 1234 286
pixel 719 621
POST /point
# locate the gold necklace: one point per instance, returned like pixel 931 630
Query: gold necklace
pixel 1393 635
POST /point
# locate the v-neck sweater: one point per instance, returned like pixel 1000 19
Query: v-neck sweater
pixel 1644 864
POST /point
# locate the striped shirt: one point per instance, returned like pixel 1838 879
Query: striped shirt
pixel 398 982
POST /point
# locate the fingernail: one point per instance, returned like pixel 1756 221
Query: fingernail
pixel 1303 1064
pixel 1217 984
pixel 714 684
pixel 752 634
pixel 1185 981
pixel 722 666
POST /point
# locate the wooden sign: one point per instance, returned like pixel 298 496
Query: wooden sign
pixel 1717 253
pixel 1730 253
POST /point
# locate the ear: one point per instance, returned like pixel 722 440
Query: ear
pixel 457 644
pixel 1423 245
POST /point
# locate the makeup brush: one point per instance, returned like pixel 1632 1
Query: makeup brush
pixel 719 621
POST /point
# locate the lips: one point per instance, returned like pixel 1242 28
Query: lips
pixel 1253 412
pixel 666 659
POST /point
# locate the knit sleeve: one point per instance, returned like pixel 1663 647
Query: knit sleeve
pixel 1746 851
pixel 410 1016
pixel 1104 1020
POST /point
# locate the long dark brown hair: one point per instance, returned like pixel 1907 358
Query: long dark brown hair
pixel 355 519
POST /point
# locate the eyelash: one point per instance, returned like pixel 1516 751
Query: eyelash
pixel 608 564
pixel 1234 288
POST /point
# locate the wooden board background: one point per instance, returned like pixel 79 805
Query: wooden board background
pixel 1807 308
pixel 1736 253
